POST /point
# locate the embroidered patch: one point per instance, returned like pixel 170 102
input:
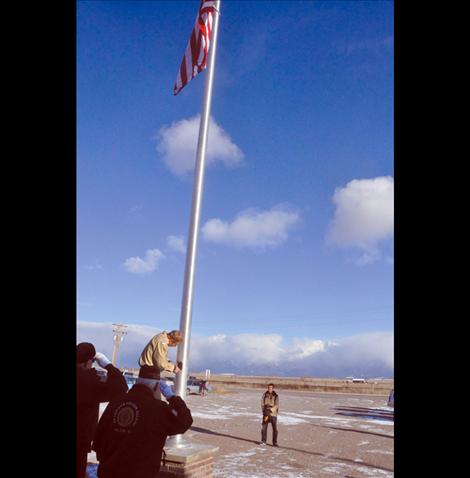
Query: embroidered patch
pixel 126 415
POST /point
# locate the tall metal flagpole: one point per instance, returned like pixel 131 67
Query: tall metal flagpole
pixel 188 289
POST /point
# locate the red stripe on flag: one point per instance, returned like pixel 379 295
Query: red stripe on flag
pixel 198 46
pixel 195 43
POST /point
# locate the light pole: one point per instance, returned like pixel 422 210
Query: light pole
pixel 119 332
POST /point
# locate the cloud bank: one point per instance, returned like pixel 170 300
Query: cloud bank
pixel 136 265
pixel 364 216
pixel 252 228
pixel 177 145
pixel 368 354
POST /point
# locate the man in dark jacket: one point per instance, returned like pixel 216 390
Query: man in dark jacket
pixel 90 392
pixel 133 429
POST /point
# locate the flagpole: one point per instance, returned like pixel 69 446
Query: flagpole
pixel 188 288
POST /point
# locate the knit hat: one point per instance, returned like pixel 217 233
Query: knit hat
pixel 85 351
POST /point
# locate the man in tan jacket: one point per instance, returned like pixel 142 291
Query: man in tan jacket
pixel 269 407
pixel 154 362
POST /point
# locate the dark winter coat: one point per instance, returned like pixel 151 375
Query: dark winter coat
pixel 132 431
pixel 90 392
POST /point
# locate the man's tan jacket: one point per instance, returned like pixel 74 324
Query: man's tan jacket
pixel 271 399
pixel 155 354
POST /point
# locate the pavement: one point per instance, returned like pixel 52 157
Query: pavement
pixel 320 434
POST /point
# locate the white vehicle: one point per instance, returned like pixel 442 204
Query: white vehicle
pixel 355 380
pixel 192 386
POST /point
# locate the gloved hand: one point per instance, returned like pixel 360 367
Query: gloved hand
pixel 166 390
pixel 102 360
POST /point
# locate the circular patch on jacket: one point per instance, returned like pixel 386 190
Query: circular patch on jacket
pixel 126 415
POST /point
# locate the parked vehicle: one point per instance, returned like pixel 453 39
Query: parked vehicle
pixel 192 385
pixel 355 380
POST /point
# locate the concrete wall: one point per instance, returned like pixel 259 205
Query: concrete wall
pixel 381 387
pixel 371 387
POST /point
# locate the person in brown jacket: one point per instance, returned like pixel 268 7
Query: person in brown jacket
pixel 269 408
pixel 154 362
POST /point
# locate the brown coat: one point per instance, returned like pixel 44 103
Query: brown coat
pixel 272 400
pixel 155 354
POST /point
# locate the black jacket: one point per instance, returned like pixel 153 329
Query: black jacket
pixel 90 392
pixel 132 432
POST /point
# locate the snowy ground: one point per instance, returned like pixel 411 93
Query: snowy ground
pixel 320 435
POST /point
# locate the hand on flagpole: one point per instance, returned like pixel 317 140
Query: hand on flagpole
pixel 178 367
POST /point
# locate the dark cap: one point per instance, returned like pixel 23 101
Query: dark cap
pixel 149 372
pixel 85 351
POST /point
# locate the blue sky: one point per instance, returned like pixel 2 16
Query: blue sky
pixel 297 218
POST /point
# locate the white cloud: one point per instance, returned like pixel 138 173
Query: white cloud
pixel 176 243
pixel 241 349
pixel 136 265
pixel 303 348
pixel 369 354
pixel 177 144
pixel 364 216
pixel 252 228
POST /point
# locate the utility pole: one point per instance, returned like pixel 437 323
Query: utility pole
pixel 119 332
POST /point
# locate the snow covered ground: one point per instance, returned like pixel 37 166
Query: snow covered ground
pixel 320 435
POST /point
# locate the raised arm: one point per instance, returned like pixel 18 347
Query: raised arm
pixel 176 417
pixel 114 385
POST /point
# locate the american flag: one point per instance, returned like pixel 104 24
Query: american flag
pixel 195 56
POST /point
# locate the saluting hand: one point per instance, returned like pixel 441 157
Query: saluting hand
pixel 102 360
